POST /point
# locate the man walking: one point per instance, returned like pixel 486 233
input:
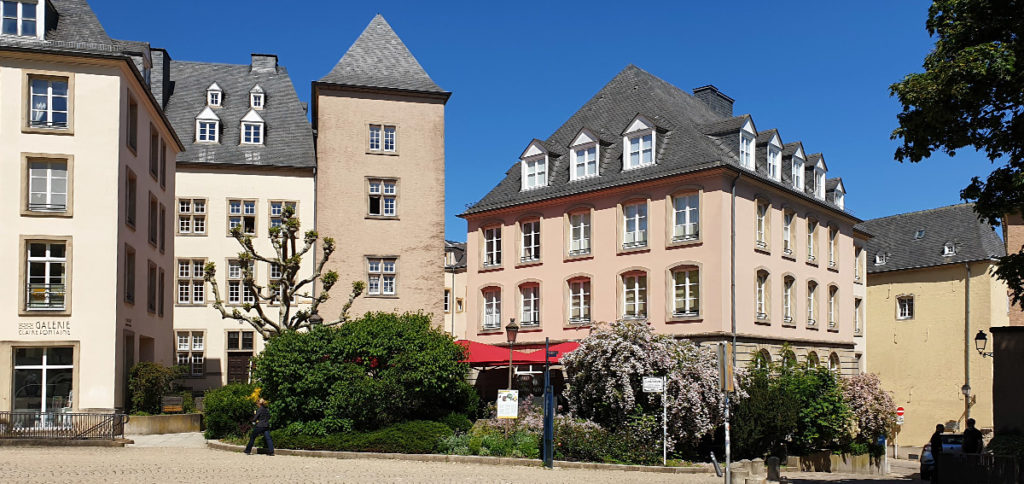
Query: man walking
pixel 973 442
pixel 936 444
pixel 262 425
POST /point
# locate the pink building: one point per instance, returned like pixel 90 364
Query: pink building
pixel 626 212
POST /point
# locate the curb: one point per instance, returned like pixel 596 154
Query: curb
pixel 64 443
pixel 467 459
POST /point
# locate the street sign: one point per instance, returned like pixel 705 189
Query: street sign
pixel 899 420
pixel 653 384
pixel 899 411
pixel 508 403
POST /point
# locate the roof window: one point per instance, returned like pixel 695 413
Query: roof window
pixel 881 258
pixel 257 98
pixel 948 249
pixel 638 143
pixel 214 95
pixel 919 235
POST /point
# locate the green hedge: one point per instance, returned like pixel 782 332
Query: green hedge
pixel 227 410
pixel 415 437
pixel 1007 444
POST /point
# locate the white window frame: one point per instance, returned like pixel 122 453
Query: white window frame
pixel 491 317
pixel 584 158
pixel 492 246
pixel 214 97
pixel 948 249
pixel 256 100
pixel 858 303
pixel 46 170
pixel 20 19
pixel 686 217
pixel 685 283
pixel 49 263
pixel 535 172
pixel 206 134
pixel 190 350
pixel 762 212
pixel 637 237
pixel 812 293
pixel 761 298
pixel 579 301
pixel 375 132
pixel 192 216
pixel 390 140
pixel 747 150
pixel 788 283
pixel 529 314
pixel 529 241
pixel 190 278
pixel 833 247
pixel 812 240
pixel 819 183
pixel 43 117
pixel 774 162
pixel 381 276
pixel 385 190
pixel 798 173
pixel 635 285
pixel 251 133
pixel 638 144
pixel 787 231
pixel 904 307
pixel 833 313
pixel 579 233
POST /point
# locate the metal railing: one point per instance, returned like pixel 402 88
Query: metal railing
pixel 62 426
pixel 45 296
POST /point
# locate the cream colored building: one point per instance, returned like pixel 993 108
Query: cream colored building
pixel 931 288
pixel 379 120
pixel 87 182
pixel 455 290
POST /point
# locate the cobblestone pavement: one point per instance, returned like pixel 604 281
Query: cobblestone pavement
pixel 903 471
pixel 140 464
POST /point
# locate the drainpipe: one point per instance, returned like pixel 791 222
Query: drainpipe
pixel 967 343
pixel 732 313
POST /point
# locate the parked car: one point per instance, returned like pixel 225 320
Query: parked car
pixel 951 444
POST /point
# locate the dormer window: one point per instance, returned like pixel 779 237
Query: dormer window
pixel 207 126
pixel 256 97
pixel 746 150
pixel 840 199
pixel 214 95
pixel 774 159
pixel 948 249
pixel 798 172
pixel 919 234
pixel 252 129
pixel 880 259
pixel 584 156
pixel 638 142
pixel 19 18
pixel 534 166
pixel 819 183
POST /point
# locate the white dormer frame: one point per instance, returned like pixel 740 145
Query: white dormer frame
pixel 819 178
pixel 204 132
pixel 214 96
pixel 255 121
pixel 840 196
pixel 641 130
pixel 748 142
pixel 584 153
pixel 948 249
pixel 797 167
pixel 880 259
pixel 774 157
pixel 533 166
pixel 257 98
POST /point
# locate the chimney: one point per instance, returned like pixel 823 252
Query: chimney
pixel 264 63
pixel 714 99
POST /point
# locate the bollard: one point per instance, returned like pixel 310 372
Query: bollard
pixel 772 465
pixel 757 467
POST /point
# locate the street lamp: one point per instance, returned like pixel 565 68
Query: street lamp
pixel 980 342
pixel 316 319
pixel 510 334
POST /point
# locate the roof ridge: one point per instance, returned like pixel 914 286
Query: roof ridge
pixel 916 212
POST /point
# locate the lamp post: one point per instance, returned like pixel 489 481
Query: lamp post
pixel 980 342
pixel 316 319
pixel 510 334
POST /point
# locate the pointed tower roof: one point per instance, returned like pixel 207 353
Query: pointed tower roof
pixel 378 58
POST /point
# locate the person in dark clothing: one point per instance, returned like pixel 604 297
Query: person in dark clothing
pixel 936 443
pixel 973 442
pixel 261 422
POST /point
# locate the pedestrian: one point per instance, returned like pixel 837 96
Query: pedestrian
pixel 261 424
pixel 936 444
pixel 973 443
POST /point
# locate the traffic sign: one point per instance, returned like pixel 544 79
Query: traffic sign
pixel 654 384
pixel 899 411
pixel 899 420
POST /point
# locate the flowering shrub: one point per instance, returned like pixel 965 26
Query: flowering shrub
pixel 605 377
pixel 873 408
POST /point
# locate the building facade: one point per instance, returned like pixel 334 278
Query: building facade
pixel 88 181
pixel 644 205
pixel 455 291
pixel 931 288
pixel 379 120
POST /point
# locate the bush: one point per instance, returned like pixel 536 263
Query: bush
pixel 228 410
pixel 580 440
pixel 1011 445
pixel 457 422
pixel 414 437
pixel 873 408
pixel 372 372
pixel 147 383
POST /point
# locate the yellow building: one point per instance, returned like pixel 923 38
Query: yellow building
pixel 931 287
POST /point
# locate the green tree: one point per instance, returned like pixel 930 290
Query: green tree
pixel 971 95
pixel 291 290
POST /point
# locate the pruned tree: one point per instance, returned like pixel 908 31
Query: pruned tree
pixel 297 307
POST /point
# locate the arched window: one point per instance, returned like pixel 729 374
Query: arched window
pixel 833 362
pixel 579 300
pixel 685 291
pixel 812 293
pixel 634 295
pixel 491 307
pixel 762 359
pixel 788 359
pixel 788 303
pixel 833 306
pixel 761 300
pixel 529 297
pixel 812 359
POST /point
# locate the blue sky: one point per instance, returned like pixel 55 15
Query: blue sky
pixel 818 71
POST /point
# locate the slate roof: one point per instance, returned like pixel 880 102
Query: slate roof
pixel 288 137
pixel 74 29
pixel 690 137
pixel 459 248
pixel 895 236
pixel 379 59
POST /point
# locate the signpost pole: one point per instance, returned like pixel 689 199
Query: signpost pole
pixel 664 421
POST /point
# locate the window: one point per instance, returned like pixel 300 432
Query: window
pixel 190 350
pixel 242 213
pixel 153 222
pixel 277 211
pixel 640 151
pixel 819 183
pixel 787 232
pixel 252 133
pixel 812 242
pixel 812 293
pixel 163 227
pixel 762 359
pixel 833 363
pixel 905 307
pixel 130 197
pixel 385 143
pixel 858 255
pixel 788 359
pixel 774 162
pixel 238 293
pixel 685 292
pixel 389 138
pixel 948 249
pixel 746 151
pixel 492 308
pixel 833 306
pixel 492 247
pixel 634 296
pixel 762 225
pixel 584 162
pixel 919 234
pixel 787 299
pixel 458 305
pixel 857 318
pixel 49 98
pixel 19 18
pixel 761 298
pixel 383 195
pixel 256 100
pixel 151 283
pixel 133 123
pixel 207 131
pixel 634 225
pixel 47 186
pixel 579 234
pixel 812 359
pixel 840 199
pixel 880 259
pixel 191 286
pixel 213 96
pixel 161 293
pixel 43 380
pixel 686 217
pixel 381 277
pixel 447 300
pixel 374 137
pixel 240 340
pixel 798 173
pixel 46 284
pixel 154 152
pixel 163 164
pixel 129 274
pixel 530 311
pixel 192 216
pixel 531 241
pixel 833 247
pixel 535 172
pixel 579 301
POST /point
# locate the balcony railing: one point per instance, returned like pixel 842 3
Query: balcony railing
pixel 61 426
pixel 44 297
pixel 47 207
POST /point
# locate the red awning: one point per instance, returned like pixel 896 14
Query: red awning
pixel 560 349
pixel 482 354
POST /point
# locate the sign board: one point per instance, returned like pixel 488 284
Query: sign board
pixel 900 411
pixel 653 384
pixel 508 403
pixel 725 370
pixel 899 420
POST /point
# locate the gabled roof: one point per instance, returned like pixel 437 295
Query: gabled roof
pixel 895 236
pixel 289 138
pixel 764 137
pixel 379 59
pixel 833 183
pixel 214 87
pixel 791 149
pixel 256 89
pixel 459 249
pixel 252 117
pixel 725 126
pixel 207 114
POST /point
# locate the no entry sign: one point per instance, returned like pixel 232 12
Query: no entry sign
pixel 899 411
